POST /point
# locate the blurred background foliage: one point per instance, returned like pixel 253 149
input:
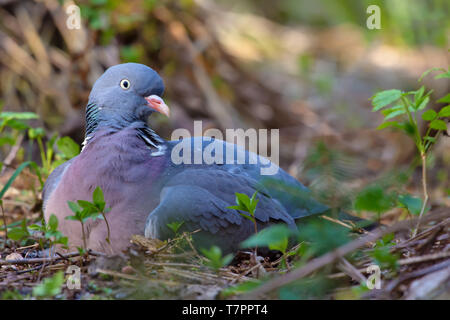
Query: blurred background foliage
pixel 404 22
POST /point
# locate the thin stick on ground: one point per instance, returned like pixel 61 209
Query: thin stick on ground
pixel 38 260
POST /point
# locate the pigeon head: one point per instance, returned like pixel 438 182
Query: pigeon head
pixel 124 94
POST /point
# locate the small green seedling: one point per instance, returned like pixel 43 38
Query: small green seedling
pixel 412 204
pixel 322 236
pixel 44 233
pixel 406 107
pixel 214 255
pixel 50 156
pixel 49 287
pixel 15 121
pixel 275 238
pixel 80 215
pixel 175 226
pixel 374 198
pixel 68 148
pixel 382 254
pixel 50 232
pixel 19 233
pixel 248 205
pixel 13 294
pixel 85 210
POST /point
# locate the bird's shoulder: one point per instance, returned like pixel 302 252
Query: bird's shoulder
pixel 54 179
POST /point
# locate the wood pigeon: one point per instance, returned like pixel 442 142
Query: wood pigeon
pixel 146 189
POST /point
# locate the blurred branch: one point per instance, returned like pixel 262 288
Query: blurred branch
pixel 334 255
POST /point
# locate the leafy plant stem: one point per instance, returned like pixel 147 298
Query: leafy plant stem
pixel 418 139
pixel 429 143
pixel 42 152
pixel 256 231
pixel 107 226
pixel 83 235
pixel 422 149
pixel 425 191
pixel 4 223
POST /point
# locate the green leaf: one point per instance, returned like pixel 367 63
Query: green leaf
pixel 386 240
pixel 419 94
pixel 393 112
pixel 50 286
pixel 421 100
pixel 385 258
pixel 53 222
pixel 253 198
pixel 253 203
pixel 323 236
pixel 73 218
pixel 275 237
pixel 68 147
pixel 438 125
pixel 37 170
pixel 443 75
pixel 15 124
pixel 383 98
pixel 374 199
pixel 423 103
pixel 35 227
pixel 408 128
pixel 98 197
pixel 445 99
pixel 17 234
pixel 63 240
pixel 242 200
pixel 427 72
pixel 7 140
pixel 214 254
pixel 412 204
pixel 227 259
pixel 247 217
pixel 89 213
pixel 388 124
pixel 444 112
pixel 13 177
pixel 18 115
pixel 429 115
pixel 34 133
pixel 175 226
pixel 74 207
pixel 240 288
pixel 282 245
pixel 87 205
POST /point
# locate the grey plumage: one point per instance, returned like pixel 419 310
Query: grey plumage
pixel 146 190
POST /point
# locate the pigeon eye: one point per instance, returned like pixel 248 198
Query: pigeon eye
pixel 125 84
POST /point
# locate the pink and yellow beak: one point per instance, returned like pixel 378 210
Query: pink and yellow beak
pixel 157 103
